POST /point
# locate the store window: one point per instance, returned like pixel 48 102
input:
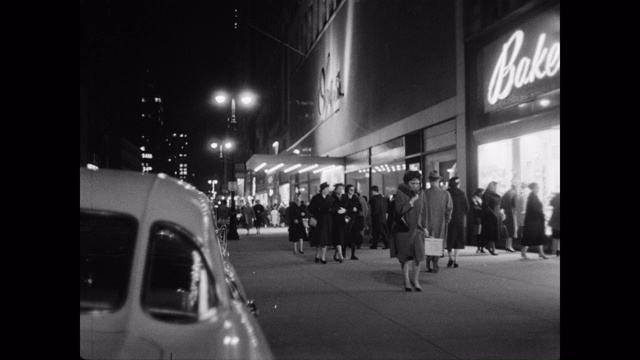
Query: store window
pixel 529 158
pixel 388 176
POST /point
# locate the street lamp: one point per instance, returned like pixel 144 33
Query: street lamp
pixel 213 188
pixel 246 99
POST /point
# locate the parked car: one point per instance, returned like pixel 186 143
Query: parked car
pixel 155 282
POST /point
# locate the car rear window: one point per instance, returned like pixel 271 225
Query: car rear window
pixel 107 242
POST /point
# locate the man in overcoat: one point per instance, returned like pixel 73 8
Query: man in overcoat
pixel 379 208
pixel 438 214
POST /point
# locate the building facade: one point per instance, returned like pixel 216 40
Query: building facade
pixel 374 88
pixel 513 92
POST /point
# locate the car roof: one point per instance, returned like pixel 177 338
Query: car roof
pixel 147 197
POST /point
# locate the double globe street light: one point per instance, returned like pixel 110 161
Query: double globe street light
pixel 221 98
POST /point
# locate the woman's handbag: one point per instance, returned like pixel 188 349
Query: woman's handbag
pixel 401 224
pixel 313 222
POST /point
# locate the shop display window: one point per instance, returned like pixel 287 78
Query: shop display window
pixel 388 176
pixel 530 158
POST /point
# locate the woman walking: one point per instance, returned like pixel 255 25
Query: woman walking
pixel 339 223
pixel 508 205
pixel 248 214
pixel 354 221
pixel 321 207
pixel 408 246
pixel 455 235
pixel 476 203
pixel 533 234
pixel 297 232
pixel 491 218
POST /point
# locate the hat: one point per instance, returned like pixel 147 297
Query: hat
pixel 454 180
pixel 323 185
pixel 375 188
pixel 338 184
pixel 433 175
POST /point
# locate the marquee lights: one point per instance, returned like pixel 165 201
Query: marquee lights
pixel 324 169
pixel 307 168
pixel 509 73
pixel 260 167
pixel 292 168
pixel 274 168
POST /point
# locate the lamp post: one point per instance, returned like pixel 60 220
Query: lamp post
pixel 246 99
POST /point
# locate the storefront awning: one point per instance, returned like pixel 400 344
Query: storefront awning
pixel 292 164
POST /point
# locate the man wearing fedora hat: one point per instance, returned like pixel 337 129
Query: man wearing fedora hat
pixel 439 209
pixel 379 209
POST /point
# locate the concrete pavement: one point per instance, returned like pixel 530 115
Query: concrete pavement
pixel 491 307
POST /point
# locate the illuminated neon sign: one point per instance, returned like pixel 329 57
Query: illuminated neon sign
pixel 329 91
pixel 511 72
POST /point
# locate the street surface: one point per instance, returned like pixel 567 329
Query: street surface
pixel 491 307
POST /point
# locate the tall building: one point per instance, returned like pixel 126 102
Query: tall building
pixel 150 128
pixel 176 151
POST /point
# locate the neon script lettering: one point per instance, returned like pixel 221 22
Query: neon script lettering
pixel 506 74
pixel 329 91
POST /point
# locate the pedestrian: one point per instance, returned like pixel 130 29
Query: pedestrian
pixel 282 210
pixel 258 209
pixel 275 216
pixel 455 234
pixel 521 206
pixel 438 216
pixel 354 221
pixel 249 215
pixel 362 218
pixel 554 223
pixel 533 234
pixel 297 232
pixel 410 205
pixel 223 213
pixel 491 218
pixel 476 204
pixel 508 206
pixel 320 209
pixel 379 212
pixel 339 224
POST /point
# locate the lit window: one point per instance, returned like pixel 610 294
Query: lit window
pixel 143 116
pixel 142 99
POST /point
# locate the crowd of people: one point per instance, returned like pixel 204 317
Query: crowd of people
pixel 340 217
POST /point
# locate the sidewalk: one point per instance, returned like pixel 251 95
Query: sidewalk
pixel 491 307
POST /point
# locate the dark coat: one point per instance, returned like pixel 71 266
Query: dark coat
pixel 508 205
pixel 258 209
pixel 379 208
pixel 296 231
pixel 491 220
pixel 455 235
pixel 356 220
pixel 554 222
pixel 339 230
pixel 533 233
pixel 321 208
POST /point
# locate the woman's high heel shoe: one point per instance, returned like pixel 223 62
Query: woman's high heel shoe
pixel 323 261
pixel 542 256
pixel 418 288
pixel 317 260
pixel 407 288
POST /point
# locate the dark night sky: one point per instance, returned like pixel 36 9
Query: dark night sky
pixel 186 45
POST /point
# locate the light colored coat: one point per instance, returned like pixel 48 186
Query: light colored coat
pixel 438 212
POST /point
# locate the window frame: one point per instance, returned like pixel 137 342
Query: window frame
pixel 133 222
pixel 146 278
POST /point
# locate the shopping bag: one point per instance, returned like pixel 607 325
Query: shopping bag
pixel 433 246
pixel 313 222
